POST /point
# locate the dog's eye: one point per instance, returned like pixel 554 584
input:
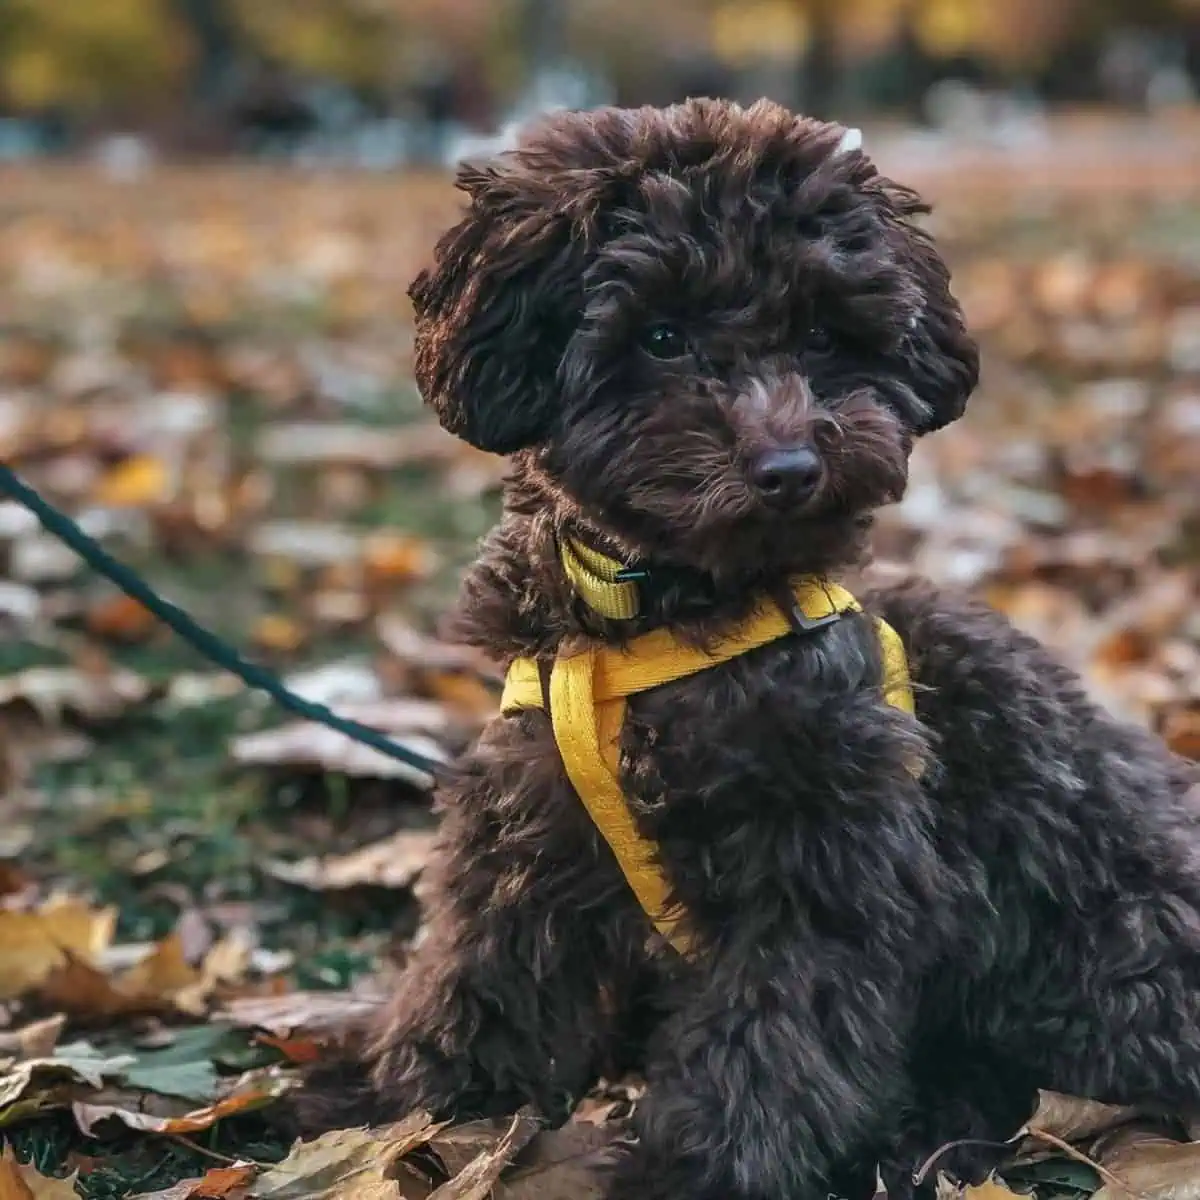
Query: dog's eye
pixel 819 340
pixel 664 341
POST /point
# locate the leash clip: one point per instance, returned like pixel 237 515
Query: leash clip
pixel 802 623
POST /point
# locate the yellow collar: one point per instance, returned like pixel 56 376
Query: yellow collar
pixel 597 580
pixel 587 694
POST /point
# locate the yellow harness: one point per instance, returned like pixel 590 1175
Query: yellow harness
pixel 587 694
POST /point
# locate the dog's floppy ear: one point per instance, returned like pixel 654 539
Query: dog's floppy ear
pixel 941 356
pixel 492 312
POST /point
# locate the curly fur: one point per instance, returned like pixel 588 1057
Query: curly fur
pixel 885 963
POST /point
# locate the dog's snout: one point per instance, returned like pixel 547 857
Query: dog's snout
pixel 791 471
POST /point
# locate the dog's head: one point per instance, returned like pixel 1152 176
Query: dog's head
pixel 715 331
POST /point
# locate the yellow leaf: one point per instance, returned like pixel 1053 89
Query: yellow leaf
pixel 990 1189
pixel 20 1181
pixel 162 982
pixel 274 631
pixel 137 482
pixel 396 558
pixel 35 944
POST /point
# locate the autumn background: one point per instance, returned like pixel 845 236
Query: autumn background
pixel 209 213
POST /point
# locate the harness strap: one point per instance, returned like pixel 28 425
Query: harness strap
pixel 588 688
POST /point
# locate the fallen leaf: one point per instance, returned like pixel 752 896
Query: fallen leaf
pixel 184 1068
pixel 121 618
pixel 212 1185
pixel 33 945
pixel 278 632
pixel 1181 731
pixel 308 746
pixel 22 1181
pixel 75 1063
pixel 990 1189
pixel 297 1050
pixel 163 981
pixel 477 1179
pixel 1071 1119
pixel 1152 1168
pixel 257 1090
pixel 562 1164
pixel 396 558
pixel 393 863
pixel 92 696
pixel 419 651
pixel 138 482
pixel 347 1164
pixel 35 1040
pixel 324 444
pixel 319 1015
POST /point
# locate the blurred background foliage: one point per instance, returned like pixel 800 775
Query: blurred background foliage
pixel 205 75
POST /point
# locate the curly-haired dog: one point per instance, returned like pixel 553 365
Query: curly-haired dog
pixel 709 336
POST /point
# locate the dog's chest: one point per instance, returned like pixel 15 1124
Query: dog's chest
pixel 765 739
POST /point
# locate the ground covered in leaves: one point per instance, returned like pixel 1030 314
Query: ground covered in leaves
pixel 210 369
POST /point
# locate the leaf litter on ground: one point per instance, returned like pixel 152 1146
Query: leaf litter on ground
pixel 265 463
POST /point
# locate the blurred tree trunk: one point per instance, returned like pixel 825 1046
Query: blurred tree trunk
pixel 544 29
pixel 913 64
pixel 216 46
pixel 820 79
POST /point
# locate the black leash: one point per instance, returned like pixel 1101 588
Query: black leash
pixel 208 644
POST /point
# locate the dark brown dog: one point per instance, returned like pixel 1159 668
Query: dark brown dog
pixel 710 335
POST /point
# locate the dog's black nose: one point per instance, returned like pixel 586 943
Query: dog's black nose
pixel 792 472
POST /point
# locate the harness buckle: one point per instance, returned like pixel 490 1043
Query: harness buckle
pixel 802 623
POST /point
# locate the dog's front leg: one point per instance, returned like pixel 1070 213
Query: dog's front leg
pixel 771 1082
pixel 501 1004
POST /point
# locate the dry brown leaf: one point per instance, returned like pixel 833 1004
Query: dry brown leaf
pixel 297 1050
pixel 417 651
pixel 230 1181
pixel 1181 731
pixel 55 692
pixel 137 1109
pixel 308 746
pixel 324 444
pixel 561 1164
pixel 1151 1167
pixel 390 558
pixel 1072 1119
pixel 478 1178
pixel 22 1181
pixel 36 1040
pixel 319 1015
pixel 279 633
pixel 121 618
pixel 33 945
pixel 69 1065
pixel 393 863
pixel 347 1164
pixel 163 981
